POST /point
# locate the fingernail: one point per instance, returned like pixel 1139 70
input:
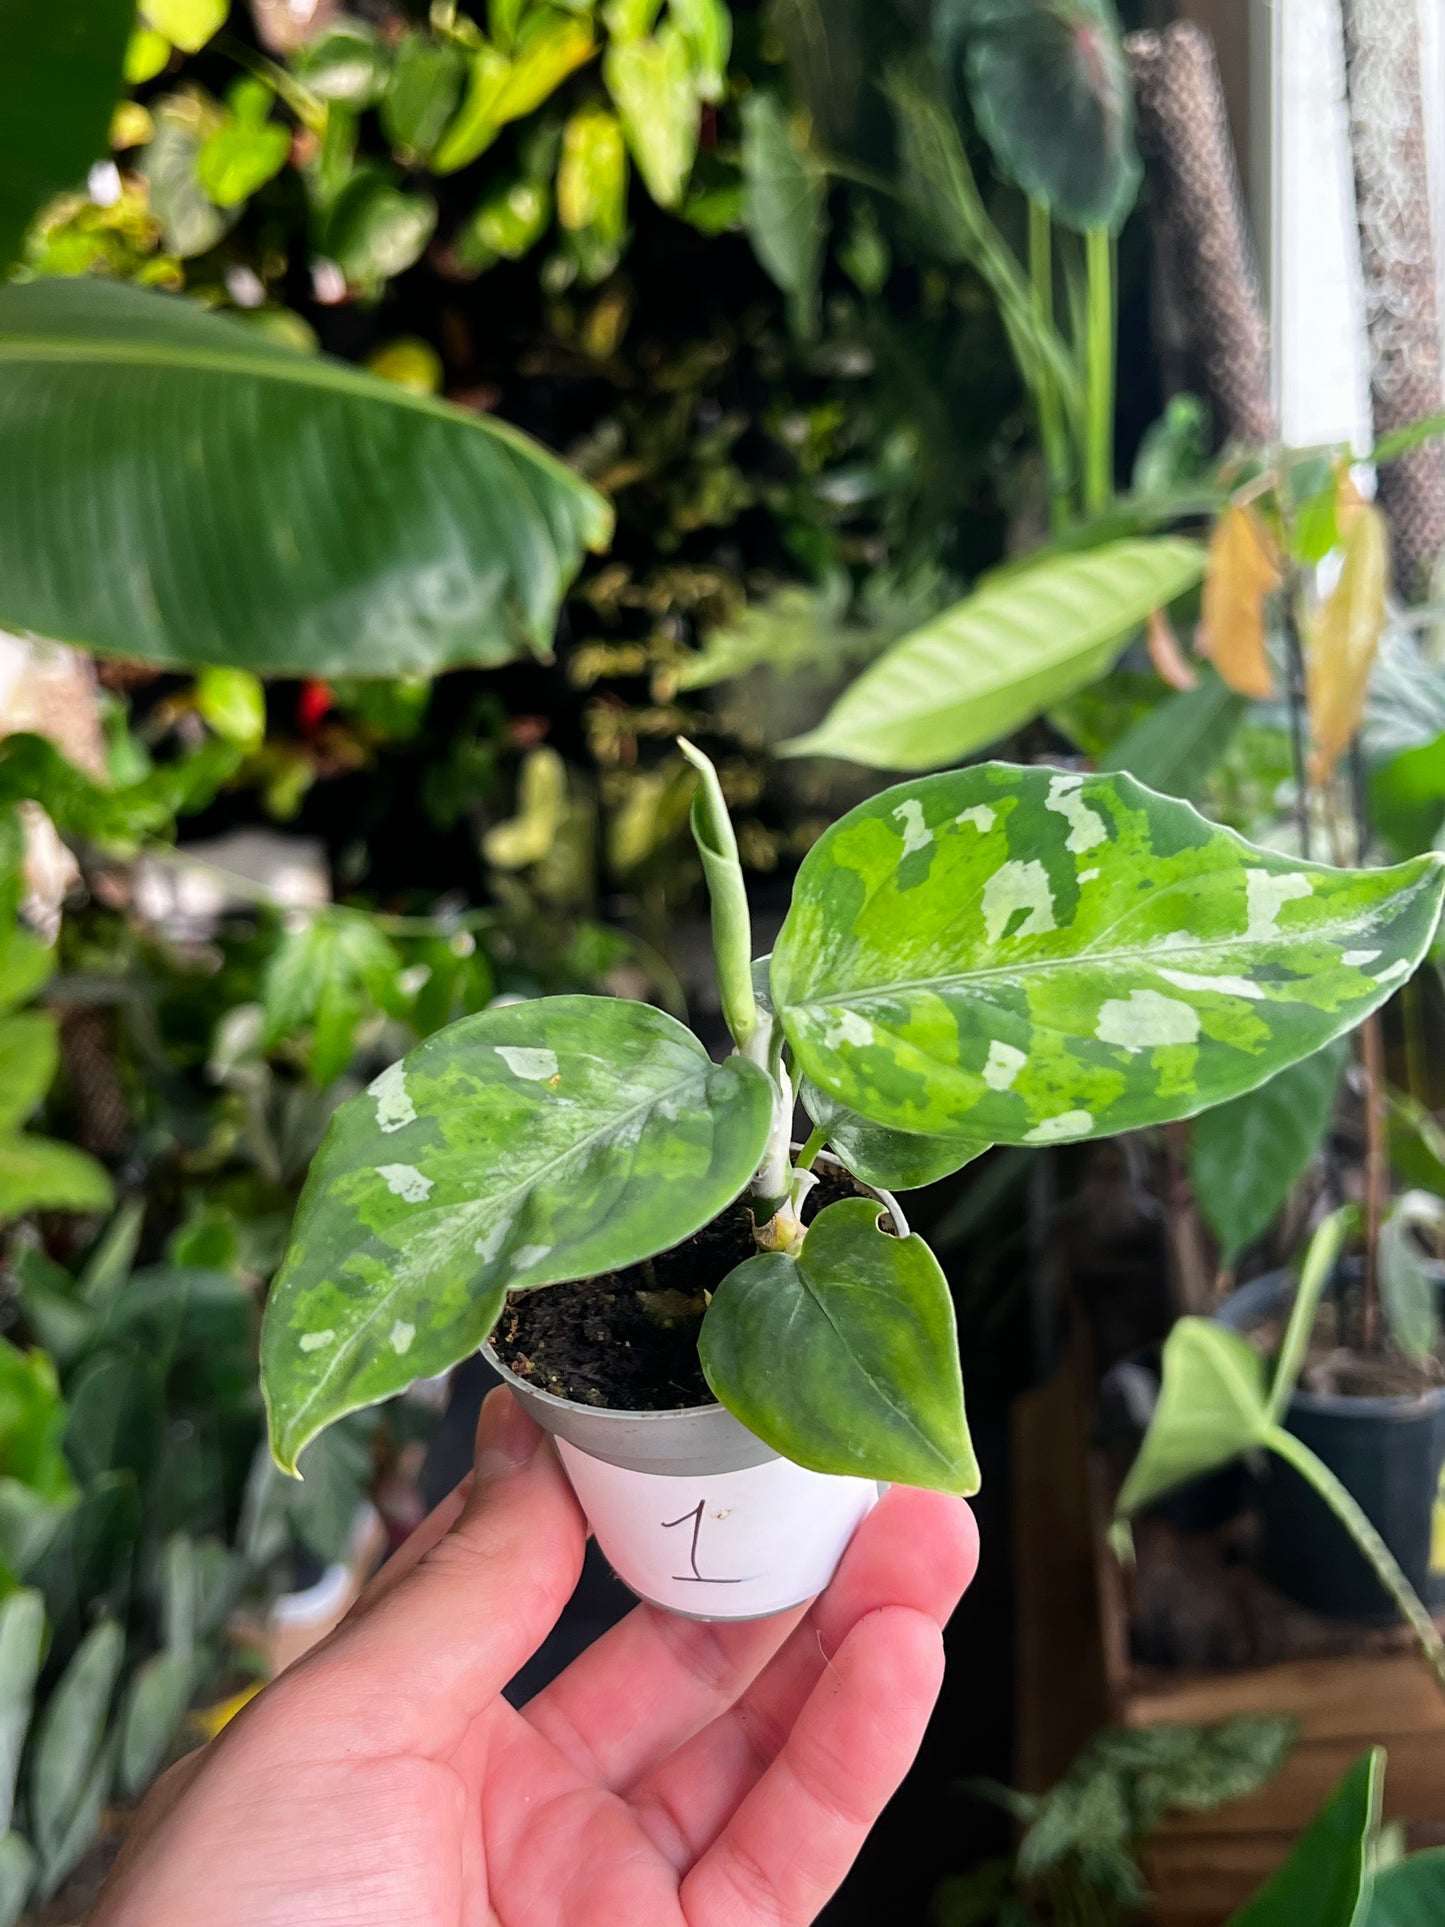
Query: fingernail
pixel 506 1437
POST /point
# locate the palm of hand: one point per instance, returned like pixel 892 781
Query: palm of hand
pixel 677 1775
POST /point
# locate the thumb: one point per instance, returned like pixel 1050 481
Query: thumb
pixel 436 1642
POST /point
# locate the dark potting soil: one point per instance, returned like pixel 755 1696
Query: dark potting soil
pixel 628 1339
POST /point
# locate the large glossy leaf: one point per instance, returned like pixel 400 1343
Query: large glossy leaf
pixel 1213 1405
pixel 176 487
pixel 1326 1880
pixel 1050 86
pixel 1028 955
pixel 888 1160
pixel 1245 1157
pixel 60 76
pixel 1409 1892
pixel 844 1357
pixel 1025 639
pixel 535 1143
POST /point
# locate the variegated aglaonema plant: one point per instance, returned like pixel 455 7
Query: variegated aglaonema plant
pixel 994 955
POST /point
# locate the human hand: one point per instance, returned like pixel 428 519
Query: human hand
pixel 678 1774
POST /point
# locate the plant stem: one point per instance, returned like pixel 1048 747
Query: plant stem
pixel 1377 1171
pixel 1295 701
pixel 817 1138
pixel 1099 371
pixel 1051 419
pixel 1346 1509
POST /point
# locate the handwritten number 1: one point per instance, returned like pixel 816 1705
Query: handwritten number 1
pixel 695 1577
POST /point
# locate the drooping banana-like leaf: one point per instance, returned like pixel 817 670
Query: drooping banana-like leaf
pixel 1027 638
pixel 1050 87
pixel 844 1356
pixel 60 76
pixel 176 487
pixel 1245 1157
pixel 1029 955
pixel 888 1160
pixel 1326 1879
pixel 518 1148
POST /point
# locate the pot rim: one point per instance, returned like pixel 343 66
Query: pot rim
pixel 669 1413
pixel 1391 1406
pixel 663 1413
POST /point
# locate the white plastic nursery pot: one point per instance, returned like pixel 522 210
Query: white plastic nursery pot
pixel 691 1509
pixel 693 1512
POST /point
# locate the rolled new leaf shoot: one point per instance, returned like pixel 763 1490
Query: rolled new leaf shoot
pixel 717 845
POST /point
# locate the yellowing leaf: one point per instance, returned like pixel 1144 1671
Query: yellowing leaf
pixel 1348 500
pixel 1344 636
pixel 211 1720
pixel 1243 570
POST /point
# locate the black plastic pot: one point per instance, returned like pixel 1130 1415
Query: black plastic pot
pixel 1388 1452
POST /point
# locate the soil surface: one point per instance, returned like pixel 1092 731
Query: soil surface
pixel 1334 1366
pixel 628 1339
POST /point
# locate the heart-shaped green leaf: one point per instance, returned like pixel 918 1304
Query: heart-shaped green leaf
pixel 59 79
pixel 844 1357
pixel 1026 638
pixel 531 1144
pixel 271 509
pixel 1028 955
pixel 1050 86
pixel 1213 1405
pixel 888 1160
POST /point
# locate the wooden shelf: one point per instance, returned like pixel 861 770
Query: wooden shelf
pixel 1075 1674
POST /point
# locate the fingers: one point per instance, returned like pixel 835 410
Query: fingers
pixel 916 1550
pixel 795 1835
pixel 435 1643
pixel 645 1686
pixel 418 1542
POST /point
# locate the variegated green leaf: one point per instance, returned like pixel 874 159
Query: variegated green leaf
pixel 1027 638
pixel 888 1160
pixel 527 1145
pixel 1029 955
pixel 844 1357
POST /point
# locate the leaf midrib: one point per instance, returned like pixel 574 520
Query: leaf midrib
pixel 1041 966
pixel 319 372
pixel 867 1376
